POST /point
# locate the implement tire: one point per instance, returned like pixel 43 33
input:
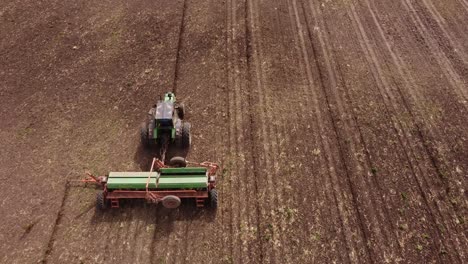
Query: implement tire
pixel 213 198
pixel 171 201
pixel 178 162
pixel 101 201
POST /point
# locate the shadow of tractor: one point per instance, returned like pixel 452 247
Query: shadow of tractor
pixel 144 156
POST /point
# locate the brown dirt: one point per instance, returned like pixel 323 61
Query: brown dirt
pixel 340 125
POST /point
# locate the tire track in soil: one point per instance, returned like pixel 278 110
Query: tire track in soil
pixel 129 232
pixel 250 58
pixel 275 96
pixel 373 214
pixel 291 189
pixel 442 24
pixel 417 97
pixel 179 47
pixel 200 82
pixel 232 68
pixel 181 255
pixel 162 228
pixel 391 107
pixel 346 217
pixel 66 206
pixel 279 230
pixel 58 219
pixel 277 172
pixel 243 226
pixel 315 220
pixel 167 248
pixel 328 156
pixel 452 76
pixel 269 164
pixel 233 122
pixel 242 249
pixel 464 3
pixel 332 171
pixel 415 94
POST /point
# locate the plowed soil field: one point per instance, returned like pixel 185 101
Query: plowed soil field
pixel 341 127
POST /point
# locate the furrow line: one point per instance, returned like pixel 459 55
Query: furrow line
pixel 151 257
pixel 385 215
pixel 248 169
pixel 302 193
pixel 331 182
pixel 174 90
pixel 464 3
pixel 248 212
pixel 259 161
pixel 385 93
pixel 288 196
pixel 415 95
pixel 388 99
pixel 179 47
pixel 58 219
pixel 443 27
pixel 445 64
pixel 187 239
pixel 229 164
pixel 236 149
pixel 323 79
pixel 291 197
pixel 268 138
pixel 374 215
pixel 326 157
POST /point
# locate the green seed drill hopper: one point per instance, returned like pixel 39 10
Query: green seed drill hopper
pixel 168 185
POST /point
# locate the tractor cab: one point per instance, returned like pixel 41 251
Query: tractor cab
pixel 165 121
pixel 166 124
pixel 164 114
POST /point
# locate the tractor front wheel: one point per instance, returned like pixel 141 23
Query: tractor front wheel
pixel 181 110
pixel 213 198
pixel 101 201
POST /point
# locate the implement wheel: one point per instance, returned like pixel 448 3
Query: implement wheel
pixel 213 198
pixel 101 201
pixel 178 162
pixel 171 201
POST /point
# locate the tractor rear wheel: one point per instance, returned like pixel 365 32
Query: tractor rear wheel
pixel 186 137
pixel 213 198
pixel 101 201
pixel 144 135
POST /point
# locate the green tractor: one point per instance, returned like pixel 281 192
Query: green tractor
pixel 166 126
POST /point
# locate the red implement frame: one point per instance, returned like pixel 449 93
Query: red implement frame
pixel 156 196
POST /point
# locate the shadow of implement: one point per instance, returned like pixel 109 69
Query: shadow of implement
pixel 162 217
